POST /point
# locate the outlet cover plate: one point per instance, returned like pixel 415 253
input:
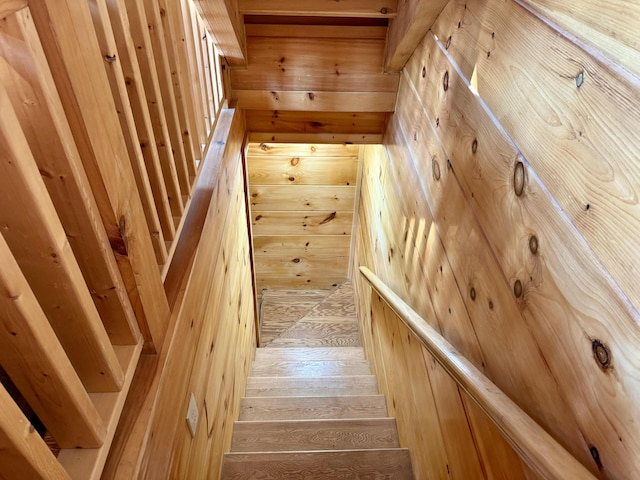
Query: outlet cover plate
pixel 192 415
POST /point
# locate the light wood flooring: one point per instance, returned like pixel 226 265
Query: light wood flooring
pixel 312 409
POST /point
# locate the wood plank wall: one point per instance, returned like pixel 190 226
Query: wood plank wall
pixel 107 111
pixel 302 206
pixel 212 345
pixel 503 209
pixel 314 83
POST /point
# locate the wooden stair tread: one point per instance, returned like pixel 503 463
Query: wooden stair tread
pixel 297 408
pixel 336 341
pixel 312 368
pixel 310 353
pixel 332 434
pixel 388 464
pixel 312 387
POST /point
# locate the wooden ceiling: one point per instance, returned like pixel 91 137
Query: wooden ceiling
pixel 323 71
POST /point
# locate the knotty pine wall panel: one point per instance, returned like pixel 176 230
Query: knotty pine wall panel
pixel 302 208
pixel 395 236
pixel 513 155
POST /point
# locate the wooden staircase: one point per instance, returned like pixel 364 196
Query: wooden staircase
pixel 312 409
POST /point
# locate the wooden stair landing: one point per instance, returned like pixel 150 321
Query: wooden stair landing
pixel 312 409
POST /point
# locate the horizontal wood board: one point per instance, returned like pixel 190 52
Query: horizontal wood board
pixel 302 208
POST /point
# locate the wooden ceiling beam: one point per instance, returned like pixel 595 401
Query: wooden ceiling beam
pixel 413 21
pixel 225 23
pixel 316 31
pixel 321 8
pixel 316 101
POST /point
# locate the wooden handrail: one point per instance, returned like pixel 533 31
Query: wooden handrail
pixel 536 447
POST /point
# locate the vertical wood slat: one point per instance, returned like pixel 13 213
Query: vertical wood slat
pixel 197 42
pixel 211 74
pixel 141 115
pixel 47 260
pixel 213 68
pixel 156 35
pixel 113 67
pixel 26 75
pixel 206 70
pixel 147 61
pixel 190 41
pixel 37 364
pixel 71 47
pixel 23 454
pixel 175 43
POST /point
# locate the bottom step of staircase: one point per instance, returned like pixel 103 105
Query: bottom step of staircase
pixel 388 464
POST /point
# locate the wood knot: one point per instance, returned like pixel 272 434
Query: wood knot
pixel 580 79
pixel 424 72
pixel 472 294
pixel 311 96
pixel 517 288
pixel 445 81
pixel 518 179
pixel 110 58
pixel 384 10
pixel 448 44
pixel 533 244
pixel 601 353
pixel 474 145
pixel 330 217
pixel 296 260
pixel 596 457
pixel 436 168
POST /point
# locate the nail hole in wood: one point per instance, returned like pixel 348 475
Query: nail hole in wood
pixel 518 179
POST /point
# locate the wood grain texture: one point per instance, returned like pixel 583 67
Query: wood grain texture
pixel 315 31
pixel 299 408
pixel 30 351
pixel 82 83
pixel 297 435
pixel 346 353
pixel 415 18
pixel 398 238
pixel 391 464
pixel 314 65
pixel 302 197
pixel 276 121
pixel 300 222
pixel 309 368
pixel 311 387
pixel 8 7
pixel 316 100
pixel 591 127
pixel 24 455
pixel 223 18
pixel 606 27
pixel 296 170
pixel 339 138
pixel 47 260
pixel 302 245
pixel 347 8
pixel 307 150
pixel 568 275
pixel 27 77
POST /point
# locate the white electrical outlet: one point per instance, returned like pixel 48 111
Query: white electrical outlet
pixel 192 415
